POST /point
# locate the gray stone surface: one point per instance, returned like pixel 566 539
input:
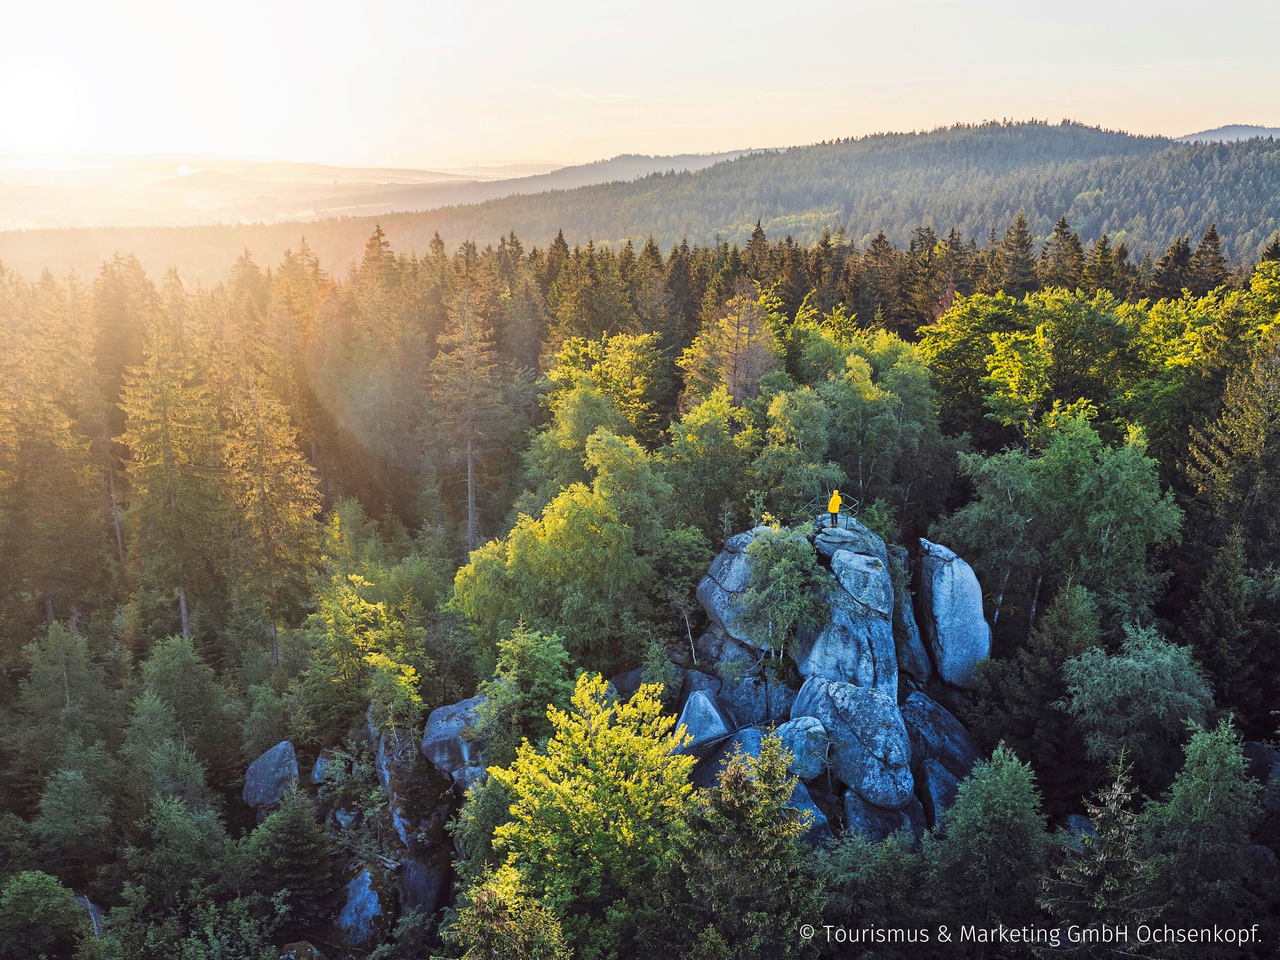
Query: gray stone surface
pixel 626 684
pixel 271 776
pixel 855 645
pixel 870 749
pixel 954 628
pixel 936 733
pixel 806 740
pixel 424 884
pixel 851 536
pixel 819 830
pixel 697 680
pixel 368 909
pixel 707 773
pixel 705 721
pixel 876 823
pixel 866 579
pixel 913 659
pixel 938 789
pixel 445 741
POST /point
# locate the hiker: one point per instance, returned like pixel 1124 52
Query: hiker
pixel 834 507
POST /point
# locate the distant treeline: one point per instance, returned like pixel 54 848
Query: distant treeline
pixel 1138 190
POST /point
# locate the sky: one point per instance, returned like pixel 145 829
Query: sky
pixel 450 84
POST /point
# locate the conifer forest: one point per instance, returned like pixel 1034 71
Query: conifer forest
pixel 484 600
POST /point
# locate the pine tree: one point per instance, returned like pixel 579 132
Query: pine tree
pixel 292 852
pixel 172 433
pixel 465 383
pixel 1224 632
pixel 1272 253
pixel 1209 268
pixel 1102 881
pixel 1100 269
pixel 275 491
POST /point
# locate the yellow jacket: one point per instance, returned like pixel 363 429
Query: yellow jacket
pixel 834 505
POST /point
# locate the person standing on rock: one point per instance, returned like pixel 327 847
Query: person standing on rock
pixel 834 507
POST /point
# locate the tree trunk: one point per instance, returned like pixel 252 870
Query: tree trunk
pixel 1035 598
pixel 473 532
pixel 995 617
pixel 115 512
pixel 182 608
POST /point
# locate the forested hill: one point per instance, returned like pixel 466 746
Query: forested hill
pixel 1140 190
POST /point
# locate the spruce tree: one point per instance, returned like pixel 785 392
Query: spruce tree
pixel 1272 253
pixel 1101 881
pixel 275 492
pixel 1062 258
pixel 172 432
pixel 291 851
pixel 1209 268
pixel 1017 259
pixel 465 382
pixel 1172 273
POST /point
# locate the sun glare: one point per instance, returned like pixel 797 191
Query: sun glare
pixel 37 109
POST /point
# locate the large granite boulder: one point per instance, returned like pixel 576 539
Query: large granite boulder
pixel 850 536
pixel 955 630
pixel 937 735
pixel 870 749
pixel 626 684
pixel 727 578
pixel 706 723
pixel 938 788
pixel 448 740
pixel 368 909
pixel 806 740
pixel 695 680
pixel 855 645
pixel 270 777
pixel 1261 872
pixel 913 660
pixel 876 823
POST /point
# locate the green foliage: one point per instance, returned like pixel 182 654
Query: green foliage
pixel 1018 698
pixel 597 813
pixel 1099 879
pixel 1193 838
pixel 291 851
pixel 711 450
pixel 787 592
pixel 533 673
pixel 498 919
pixel 40 919
pixel 884 881
pixel 985 866
pixel 737 348
pixel 1139 700
pixel 743 863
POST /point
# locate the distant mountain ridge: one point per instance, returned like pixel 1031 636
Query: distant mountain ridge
pixel 1143 191
pixel 1230 134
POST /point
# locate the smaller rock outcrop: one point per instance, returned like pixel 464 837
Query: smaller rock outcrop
pixel 936 734
pixel 951 614
pixel 626 684
pixel 424 883
pixel 870 750
pixel 695 680
pixel 300 951
pixel 728 577
pixel 913 660
pixel 819 830
pixel 938 789
pixel 270 777
pixel 368 910
pixel 447 741
pixel 706 723
pixel 876 823
pixel 806 740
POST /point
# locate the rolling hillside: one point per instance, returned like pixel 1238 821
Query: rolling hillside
pixel 1142 190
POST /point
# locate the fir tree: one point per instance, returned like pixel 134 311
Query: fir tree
pixel 1017 259
pixel 291 851
pixel 1172 273
pixel 1062 258
pixel 1209 268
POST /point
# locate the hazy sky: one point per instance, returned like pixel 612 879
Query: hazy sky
pixel 431 83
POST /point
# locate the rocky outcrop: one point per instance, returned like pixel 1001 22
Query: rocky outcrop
pixel 819 829
pixel 726 579
pixel 850 536
pixel 300 951
pixel 695 680
pixel 937 735
pixel 369 908
pixel 870 750
pixel 806 740
pixel 913 660
pixel 626 684
pixel 876 823
pixel 448 740
pixel 955 630
pixel 420 799
pixel 938 790
pixel 424 883
pixel 270 777
pixel 706 723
